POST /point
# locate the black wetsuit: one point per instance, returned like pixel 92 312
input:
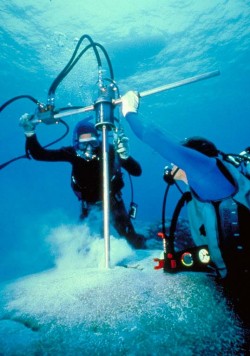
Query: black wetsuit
pixel 86 182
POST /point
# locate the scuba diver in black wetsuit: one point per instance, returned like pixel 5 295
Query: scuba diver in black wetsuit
pixel 85 157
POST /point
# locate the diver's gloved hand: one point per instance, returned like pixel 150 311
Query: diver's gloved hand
pixel 122 147
pixel 28 124
pixel 130 102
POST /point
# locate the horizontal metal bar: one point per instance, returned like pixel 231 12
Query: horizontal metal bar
pixel 180 83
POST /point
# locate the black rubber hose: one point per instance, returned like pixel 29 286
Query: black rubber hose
pixel 17 98
pixel 164 210
pixel 3 165
pixel 186 197
pixel 131 188
pixel 62 137
pixel 165 202
pixel 65 72
pixel 111 72
pixel 72 62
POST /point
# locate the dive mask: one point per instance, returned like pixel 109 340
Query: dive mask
pixel 87 148
pixel 84 143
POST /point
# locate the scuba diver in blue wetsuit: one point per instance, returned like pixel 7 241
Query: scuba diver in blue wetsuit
pixel 85 156
pixel 215 185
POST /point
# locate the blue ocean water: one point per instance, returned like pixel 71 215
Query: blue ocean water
pixel 148 48
pixel 150 44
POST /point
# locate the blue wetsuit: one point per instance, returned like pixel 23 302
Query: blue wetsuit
pixel 205 178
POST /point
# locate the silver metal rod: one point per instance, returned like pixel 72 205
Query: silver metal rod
pixel 180 83
pixel 105 149
pixel 74 111
pixel 175 84
pixel 106 197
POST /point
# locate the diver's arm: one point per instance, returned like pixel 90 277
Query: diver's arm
pixel 204 176
pixel 131 166
pixel 29 123
pixel 41 154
